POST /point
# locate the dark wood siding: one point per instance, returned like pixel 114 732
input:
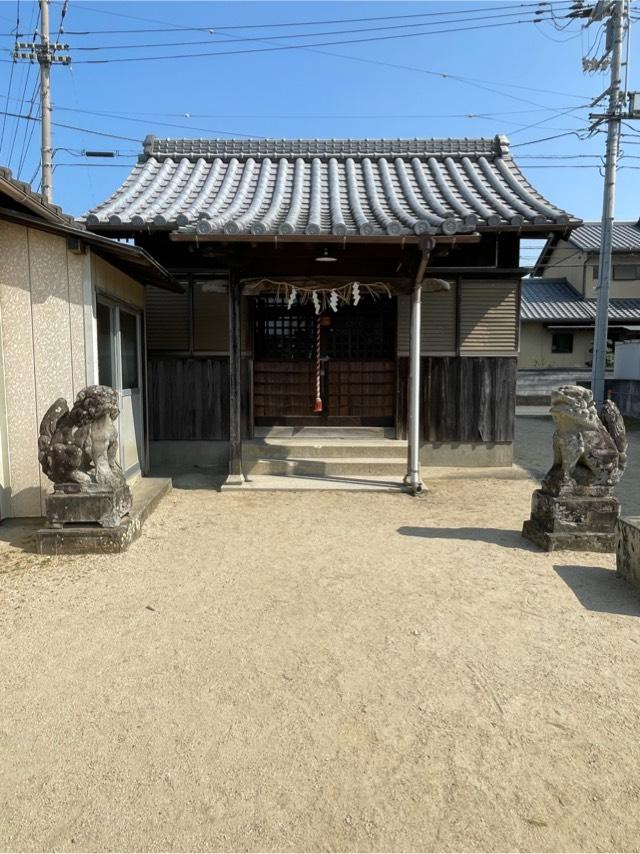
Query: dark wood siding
pixel 353 392
pixel 362 389
pixel 469 399
pixel 189 398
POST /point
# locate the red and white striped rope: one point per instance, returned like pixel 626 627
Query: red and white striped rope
pixel 317 406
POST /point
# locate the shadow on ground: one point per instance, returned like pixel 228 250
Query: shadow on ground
pixel 20 534
pixel 194 478
pixel 600 589
pixel 495 536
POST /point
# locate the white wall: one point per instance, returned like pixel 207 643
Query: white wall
pixel 43 348
pixel 48 347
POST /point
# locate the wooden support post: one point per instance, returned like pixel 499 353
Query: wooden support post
pixel 235 477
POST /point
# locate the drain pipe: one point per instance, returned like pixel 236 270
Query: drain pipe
pixel 412 479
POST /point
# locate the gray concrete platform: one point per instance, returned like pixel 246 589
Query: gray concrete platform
pixel 341 483
pixel 93 539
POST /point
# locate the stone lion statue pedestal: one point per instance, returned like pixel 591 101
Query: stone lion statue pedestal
pixel 77 450
pixel 575 507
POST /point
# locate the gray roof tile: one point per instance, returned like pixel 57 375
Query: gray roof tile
pixel 555 300
pixel 626 237
pixel 326 186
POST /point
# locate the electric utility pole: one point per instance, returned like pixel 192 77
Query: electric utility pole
pixel 44 53
pixel 617 14
pixel 615 35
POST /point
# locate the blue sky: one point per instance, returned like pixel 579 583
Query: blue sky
pixel 526 76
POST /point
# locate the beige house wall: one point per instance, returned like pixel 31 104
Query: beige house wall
pixel 48 346
pixel 535 348
pixel 109 281
pixel 43 344
pixel 581 269
pixel 567 262
pixel 618 288
pixel 5 505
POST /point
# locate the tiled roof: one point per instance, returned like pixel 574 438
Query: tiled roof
pixel 554 300
pixel 626 237
pixel 22 193
pixel 326 186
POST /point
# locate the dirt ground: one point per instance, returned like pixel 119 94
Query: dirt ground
pixel 297 672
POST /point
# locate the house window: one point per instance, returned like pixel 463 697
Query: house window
pixel 626 272
pixel 562 342
pixel 129 349
pixel 622 272
pixel 104 320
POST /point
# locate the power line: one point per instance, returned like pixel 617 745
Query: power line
pixel 245 39
pixel 546 138
pixel 28 135
pixel 26 78
pixel 75 127
pixel 8 96
pixel 207 28
pixel 301 46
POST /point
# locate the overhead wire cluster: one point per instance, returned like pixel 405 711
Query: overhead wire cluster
pixel 312 36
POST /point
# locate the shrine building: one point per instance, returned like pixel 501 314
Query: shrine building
pixel 360 285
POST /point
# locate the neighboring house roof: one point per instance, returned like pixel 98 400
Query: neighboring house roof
pixel 555 300
pixel 132 260
pixel 626 237
pixel 327 186
pixel 25 199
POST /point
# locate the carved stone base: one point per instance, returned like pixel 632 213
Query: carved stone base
pixel 582 542
pixel 576 522
pixel 88 540
pixel 628 549
pixel 70 505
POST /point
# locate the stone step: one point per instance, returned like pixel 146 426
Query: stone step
pixel 312 483
pixel 327 448
pixel 326 466
pixel 324 432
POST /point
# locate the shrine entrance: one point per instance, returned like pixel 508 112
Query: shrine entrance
pixel 328 368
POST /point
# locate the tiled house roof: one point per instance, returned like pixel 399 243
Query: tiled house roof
pixel 626 237
pixel 555 300
pixel 22 194
pixel 327 186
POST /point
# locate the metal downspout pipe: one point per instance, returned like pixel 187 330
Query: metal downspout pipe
pixel 412 479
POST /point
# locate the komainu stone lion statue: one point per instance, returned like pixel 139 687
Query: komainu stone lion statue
pixel 77 450
pixel 575 507
pixel 80 446
pixel 589 451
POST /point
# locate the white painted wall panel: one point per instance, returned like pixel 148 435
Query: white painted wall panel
pixel 20 380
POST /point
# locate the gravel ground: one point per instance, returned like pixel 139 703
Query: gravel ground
pixel 321 671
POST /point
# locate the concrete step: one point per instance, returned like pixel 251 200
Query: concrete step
pixel 326 448
pixel 324 466
pixel 324 432
pixel 313 483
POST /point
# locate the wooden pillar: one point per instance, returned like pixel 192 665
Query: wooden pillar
pixel 235 478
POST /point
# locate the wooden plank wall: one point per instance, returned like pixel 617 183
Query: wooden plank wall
pixel 189 398
pixel 469 399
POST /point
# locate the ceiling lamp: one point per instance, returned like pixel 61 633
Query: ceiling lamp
pixel 325 257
